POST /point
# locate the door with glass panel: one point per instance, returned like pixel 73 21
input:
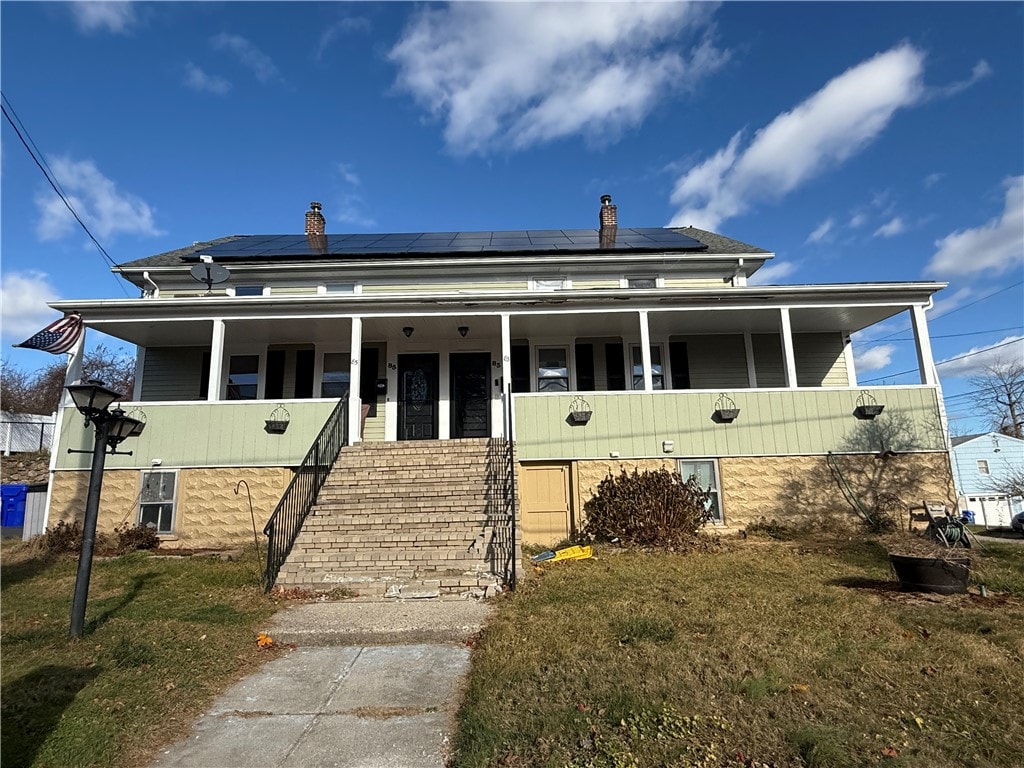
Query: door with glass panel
pixel 417 397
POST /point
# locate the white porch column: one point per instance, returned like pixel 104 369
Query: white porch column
pixel 216 362
pixel 645 353
pixel 925 362
pixel 140 364
pixel 355 404
pixel 851 365
pixel 506 370
pixel 787 348
pixel 748 346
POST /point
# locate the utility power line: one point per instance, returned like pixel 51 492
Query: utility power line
pixel 40 161
pixel 944 362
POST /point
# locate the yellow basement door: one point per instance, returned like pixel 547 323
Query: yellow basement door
pixel 544 493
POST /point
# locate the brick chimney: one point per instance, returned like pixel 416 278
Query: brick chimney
pixel 314 220
pixel 609 222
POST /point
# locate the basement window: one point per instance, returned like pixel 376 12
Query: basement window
pixel 706 472
pixel 156 502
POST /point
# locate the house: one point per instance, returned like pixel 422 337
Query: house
pixel 981 465
pixel 462 370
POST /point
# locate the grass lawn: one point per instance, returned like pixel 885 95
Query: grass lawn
pixel 764 653
pixel 163 638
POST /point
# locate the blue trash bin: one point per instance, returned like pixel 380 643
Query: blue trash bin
pixel 13 511
pixel 967 516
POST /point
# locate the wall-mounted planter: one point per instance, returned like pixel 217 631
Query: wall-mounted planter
pixel 275 427
pixel 725 415
pixel 868 411
pixel 580 417
pixel 945 576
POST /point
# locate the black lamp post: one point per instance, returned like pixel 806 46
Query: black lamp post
pixel 112 427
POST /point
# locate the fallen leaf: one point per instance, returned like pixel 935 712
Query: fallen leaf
pixel 170 687
pixel 799 688
pixel 890 752
pixel 202 637
pixel 920 722
pixel 929 671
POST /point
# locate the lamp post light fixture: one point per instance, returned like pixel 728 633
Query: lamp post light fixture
pixel 93 400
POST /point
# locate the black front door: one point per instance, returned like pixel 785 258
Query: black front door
pixel 470 394
pixel 417 397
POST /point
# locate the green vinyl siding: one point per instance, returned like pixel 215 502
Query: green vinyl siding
pixel 697 282
pixel 716 362
pixel 172 373
pixel 292 290
pixel 586 283
pixel 819 360
pixel 779 423
pixel 225 434
pixel 444 287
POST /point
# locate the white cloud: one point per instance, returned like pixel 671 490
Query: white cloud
pixel 822 231
pixel 771 273
pixel 858 220
pixel 980 71
pixel 992 248
pixel 96 16
pixel 348 174
pixel 823 131
pixel 932 179
pixel 251 57
pixel 512 75
pixel 106 210
pixel 346 25
pixel 198 80
pixel 975 360
pixel 895 226
pixel 873 358
pixel 23 299
pixel 349 201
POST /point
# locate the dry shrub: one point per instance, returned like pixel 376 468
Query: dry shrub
pixel 654 508
pixel 133 538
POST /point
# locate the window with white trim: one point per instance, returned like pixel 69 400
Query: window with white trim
pixel 641 281
pixel 549 283
pixel 706 472
pixel 657 367
pixel 983 467
pixel 336 288
pixel 156 500
pixel 552 369
pixel 335 381
pixel 243 377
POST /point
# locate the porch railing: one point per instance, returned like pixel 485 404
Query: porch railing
pixel 284 525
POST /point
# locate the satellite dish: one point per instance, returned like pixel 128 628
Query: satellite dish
pixel 209 273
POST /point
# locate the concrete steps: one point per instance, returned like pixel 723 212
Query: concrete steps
pixel 412 520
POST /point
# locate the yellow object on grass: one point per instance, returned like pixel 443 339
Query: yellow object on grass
pixel 572 553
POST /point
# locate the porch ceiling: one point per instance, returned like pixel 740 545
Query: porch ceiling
pixel 431 327
pixel 199 333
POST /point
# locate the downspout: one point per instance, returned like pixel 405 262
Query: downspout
pixel 155 293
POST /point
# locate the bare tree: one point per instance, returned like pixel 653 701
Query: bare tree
pixel 1010 482
pixel 40 391
pixel 1000 391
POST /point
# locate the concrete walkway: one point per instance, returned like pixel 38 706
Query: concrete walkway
pixel 362 690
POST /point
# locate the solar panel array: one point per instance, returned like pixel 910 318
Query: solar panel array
pixel 523 240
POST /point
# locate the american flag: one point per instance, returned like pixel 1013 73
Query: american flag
pixel 58 337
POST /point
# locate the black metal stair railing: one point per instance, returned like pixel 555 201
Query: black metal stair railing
pixel 284 525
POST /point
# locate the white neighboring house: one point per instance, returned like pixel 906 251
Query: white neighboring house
pixel 26 432
pixel 980 464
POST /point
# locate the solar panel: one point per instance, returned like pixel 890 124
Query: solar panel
pixel 295 247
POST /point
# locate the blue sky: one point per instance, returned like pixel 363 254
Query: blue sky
pixel 859 142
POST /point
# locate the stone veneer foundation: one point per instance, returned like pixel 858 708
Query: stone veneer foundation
pixel 795 489
pixel 208 513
